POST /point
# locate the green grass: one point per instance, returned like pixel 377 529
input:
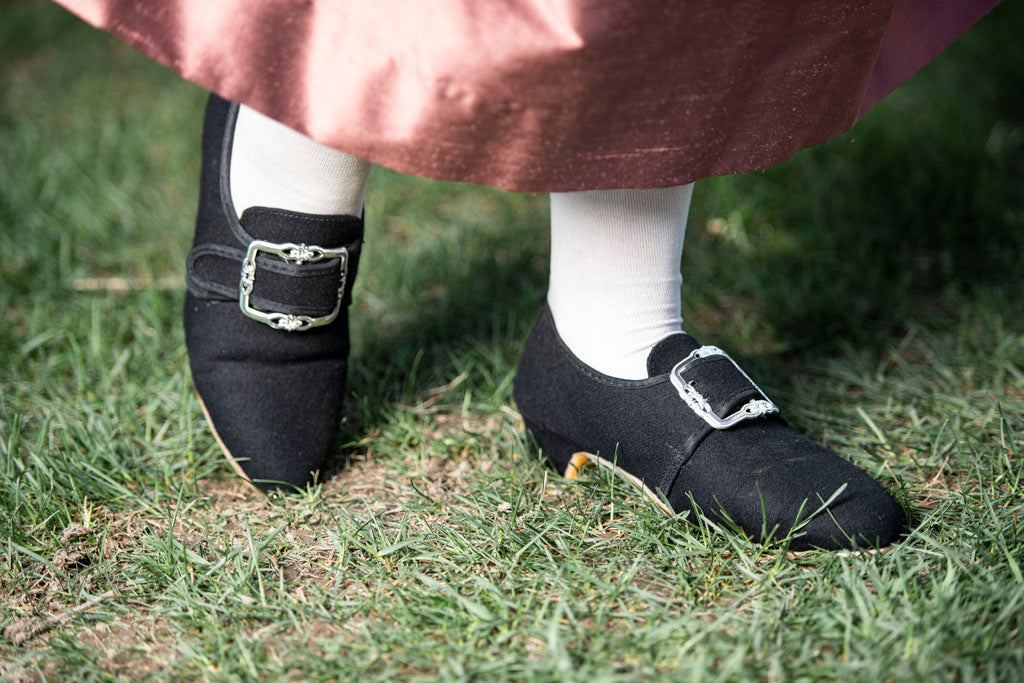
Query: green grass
pixel 873 284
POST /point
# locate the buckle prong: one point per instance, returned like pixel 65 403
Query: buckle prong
pixel 702 407
pixel 293 253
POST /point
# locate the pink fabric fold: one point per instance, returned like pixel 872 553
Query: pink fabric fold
pixel 550 95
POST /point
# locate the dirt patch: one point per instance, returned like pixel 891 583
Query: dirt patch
pixel 131 648
pixel 293 535
pixel 21 631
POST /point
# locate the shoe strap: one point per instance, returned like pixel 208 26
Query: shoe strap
pixel 715 387
pixel 214 272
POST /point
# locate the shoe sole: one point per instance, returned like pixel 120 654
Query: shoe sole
pixel 571 462
pixel 580 459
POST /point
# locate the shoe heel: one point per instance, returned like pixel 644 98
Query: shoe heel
pixel 563 455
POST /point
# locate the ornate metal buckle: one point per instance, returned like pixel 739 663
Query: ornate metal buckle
pixel 294 253
pixel 700 405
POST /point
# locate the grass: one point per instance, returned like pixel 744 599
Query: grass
pixel 873 285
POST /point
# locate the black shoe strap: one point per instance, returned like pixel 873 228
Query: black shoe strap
pixel 279 284
pixel 215 273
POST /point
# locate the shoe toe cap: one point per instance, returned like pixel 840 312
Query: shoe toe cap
pixel 775 484
pixel 272 398
pixel 864 515
pixel 278 423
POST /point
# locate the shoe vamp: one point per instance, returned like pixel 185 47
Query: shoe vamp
pixel 218 332
pixel 647 432
pixel 264 384
pixel 274 397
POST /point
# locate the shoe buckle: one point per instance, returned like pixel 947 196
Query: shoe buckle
pixel 702 407
pixel 293 253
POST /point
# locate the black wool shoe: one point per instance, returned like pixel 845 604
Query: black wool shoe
pixel 699 431
pixel 266 322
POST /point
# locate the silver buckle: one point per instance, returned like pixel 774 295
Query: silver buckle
pixel 700 405
pixel 294 253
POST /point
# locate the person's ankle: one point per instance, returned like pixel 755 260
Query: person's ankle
pixel 616 346
pixel 275 166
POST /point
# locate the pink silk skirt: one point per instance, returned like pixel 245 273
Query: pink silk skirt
pixel 550 95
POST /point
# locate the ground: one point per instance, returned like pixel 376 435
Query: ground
pixel 872 286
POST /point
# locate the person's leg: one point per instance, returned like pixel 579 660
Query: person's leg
pixel 273 165
pixel 608 376
pixel 278 237
pixel 615 282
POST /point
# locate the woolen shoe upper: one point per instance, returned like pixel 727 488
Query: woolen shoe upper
pixel 759 473
pixel 274 397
